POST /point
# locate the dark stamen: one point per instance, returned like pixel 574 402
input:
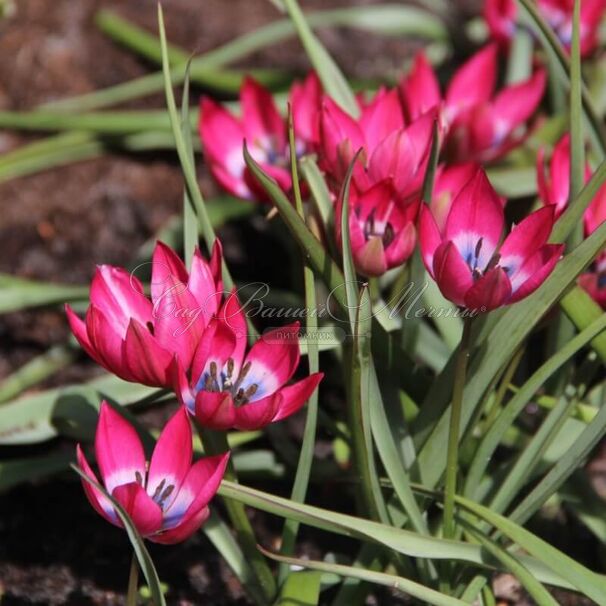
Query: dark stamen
pixel 158 490
pixel 138 478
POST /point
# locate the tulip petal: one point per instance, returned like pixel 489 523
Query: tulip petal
pixel 145 360
pixel 118 449
pixel 171 459
pixel 380 118
pixel 429 238
pixel 215 409
pixel 216 345
pixel 262 122
pixel 145 514
pixel 78 327
pixel 536 270
pixel 296 395
pixel 420 89
pixel 108 344
pixel 167 270
pixel 101 504
pixel 232 314
pixel 257 414
pixel 305 101
pixel 492 290
pixel 451 273
pixel 182 531
pixel 370 258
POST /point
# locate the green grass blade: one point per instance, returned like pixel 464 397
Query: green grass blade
pixel 333 80
pixel 143 557
pixel 577 140
pixel 300 588
pixel 495 433
pixel 401 584
pixel 319 192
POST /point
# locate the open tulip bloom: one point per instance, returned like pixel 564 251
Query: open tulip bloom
pixel 553 180
pixel 265 131
pixel 137 338
pixel 166 502
pixel 501 16
pixel 229 388
pixel 478 122
pixel 471 266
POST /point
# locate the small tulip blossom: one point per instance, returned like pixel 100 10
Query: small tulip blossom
pixel 478 123
pixel 137 338
pixel 167 501
pixel 466 258
pixel 229 388
pixel 266 132
pixel 501 17
pixel 553 180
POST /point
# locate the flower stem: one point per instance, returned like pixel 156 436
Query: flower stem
pixel 455 426
pixel 263 589
pixel 133 582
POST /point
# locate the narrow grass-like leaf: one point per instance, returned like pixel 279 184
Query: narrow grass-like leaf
pixel 319 192
pixel 577 140
pixel 536 590
pixel 302 588
pixel 397 539
pixel 333 80
pixel 401 584
pixel 143 557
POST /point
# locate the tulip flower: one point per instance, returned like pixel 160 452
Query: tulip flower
pixel 382 229
pixel 167 501
pixel 265 131
pixel 137 338
pixel 468 262
pixel 229 388
pixel 477 122
pixel 594 281
pixel 501 17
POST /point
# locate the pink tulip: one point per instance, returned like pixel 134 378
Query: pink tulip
pixel 594 281
pixel 264 129
pixel 137 338
pixel 466 259
pixel 501 17
pixel 382 229
pixel 229 388
pixel 477 122
pixel 167 501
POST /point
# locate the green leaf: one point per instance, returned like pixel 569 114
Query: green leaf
pixel 401 584
pixel 300 588
pixel 17 471
pixel 319 192
pixel 333 81
pixel 495 433
pixel 145 561
pixel 397 539
pixel 577 141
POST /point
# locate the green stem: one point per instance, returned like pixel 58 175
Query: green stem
pixel 133 582
pixel 264 590
pixel 453 434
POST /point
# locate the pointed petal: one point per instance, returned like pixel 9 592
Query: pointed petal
pixel 257 414
pixel 185 530
pixel 492 290
pixel 536 270
pixel 306 101
pixel 145 514
pixel 106 342
pixel 260 116
pixel 145 360
pixel 215 409
pixel 451 273
pixel 78 327
pixel 216 345
pixel 370 258
pixel 232 314
pixel 119 296
pixel 429 237
pixel 203 286
pixel 296 395
pixel 273 360
pixel 402 246
pixel 167 270
pixel 181 387
pixel 420 88
pixel 118 449
pixel 101 504
pixel 380 118
pixel 475 81
pixel 172 455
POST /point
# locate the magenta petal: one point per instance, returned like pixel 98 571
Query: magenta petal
pixel 167 270
pixel 145 360
pixel 527 237
pixel 145 514
pixel 233 315
pixel 536 270
pixel 402 247
pixel 181 387
pixel 258 414
pixel 106 342
pixel 515 104
pixel 184 530
pixel 260 117
pixel 203 285
pixel 475 81
pixel 420 88
pixel 118 449
pixel 119 296
pixel 78 327
pixel 101 504
pixel 172 455
pixel 429 238
pixel 215 409
pixel 296 395
pixel 492 290
pixel 305 101
pixel 451 273
pixel 273 360
pixel 370 258
pixel 380 118
pixel 216 345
